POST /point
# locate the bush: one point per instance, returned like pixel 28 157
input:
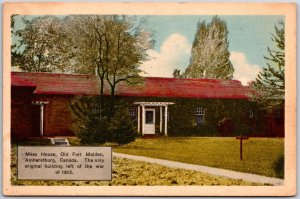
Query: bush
pixel 205 130
pixel 118 129
pixel 225 127
pixel 93 130
pixel 121 128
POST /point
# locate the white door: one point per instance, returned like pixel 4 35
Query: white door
pixel 149 121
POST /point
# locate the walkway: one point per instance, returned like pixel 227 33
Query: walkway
pixel 205 169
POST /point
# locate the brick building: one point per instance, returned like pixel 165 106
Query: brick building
pixel 40 105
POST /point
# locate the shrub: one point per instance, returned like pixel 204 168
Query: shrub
pixel 121 128
pixel 225 126
pixel 96 125
pixel 118 129
pixel 205 130
pixel 93 130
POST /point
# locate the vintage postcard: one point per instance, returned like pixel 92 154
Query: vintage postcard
pixel 149 99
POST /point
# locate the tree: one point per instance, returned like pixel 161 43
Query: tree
pixel 113 46
pixel 13 53
pixel 210 55
pixel 43 46
pixel 270 82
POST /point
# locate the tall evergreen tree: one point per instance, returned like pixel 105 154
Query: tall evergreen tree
pixel 210 55
pixel 270 81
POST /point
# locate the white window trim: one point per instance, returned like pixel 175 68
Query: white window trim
pixel 132 111
pixel 97 110
pixel 200 112
pixel 251 114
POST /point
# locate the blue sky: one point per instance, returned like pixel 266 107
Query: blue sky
pixel 248 34
pixel 249 37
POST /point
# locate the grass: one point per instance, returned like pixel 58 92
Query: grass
pixel 129 172
pixel 260 155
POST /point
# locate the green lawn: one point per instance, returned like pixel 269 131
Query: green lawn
pixel 130 172
pixel 261 156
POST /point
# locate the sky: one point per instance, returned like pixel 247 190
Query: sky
pixel 249 37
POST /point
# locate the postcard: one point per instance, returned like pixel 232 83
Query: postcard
pixel 149 99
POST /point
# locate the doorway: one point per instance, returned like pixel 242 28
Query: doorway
pixel 149 121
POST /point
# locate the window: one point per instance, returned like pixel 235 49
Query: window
pixel 149 117
pixel 97 110
pixel 250 114
pixel 132 113
pixel 199 113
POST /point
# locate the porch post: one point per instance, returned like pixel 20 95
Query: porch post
pixel 138 119
pixel 143 119
pixel 41 119
pixel 166 120
pixel 160 119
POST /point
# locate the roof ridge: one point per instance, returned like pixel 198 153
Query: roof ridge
pixel 22 81
pixel 86 84
pixel 52 74
pixel 196 79
pixel 149 77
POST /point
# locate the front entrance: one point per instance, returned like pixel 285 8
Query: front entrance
pixel 146 117
pixel 149 121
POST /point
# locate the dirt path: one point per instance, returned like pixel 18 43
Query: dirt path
pixel 210 170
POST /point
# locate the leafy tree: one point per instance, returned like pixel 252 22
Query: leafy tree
pixel 43 45
pixel 13 33
pixel 270 82
pixel 113 46
pixel 210 55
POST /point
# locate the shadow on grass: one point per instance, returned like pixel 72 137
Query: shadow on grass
pixel 279 167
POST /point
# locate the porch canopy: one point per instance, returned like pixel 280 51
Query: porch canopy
pixel 141 117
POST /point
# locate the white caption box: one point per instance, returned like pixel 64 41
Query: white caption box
pixel 64 163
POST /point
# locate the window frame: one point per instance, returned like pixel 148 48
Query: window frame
pixel 96 110
pixel 200 112
pixel 250 114
pixel 132 112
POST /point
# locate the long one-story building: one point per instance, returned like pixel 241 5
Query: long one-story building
pixel 158 106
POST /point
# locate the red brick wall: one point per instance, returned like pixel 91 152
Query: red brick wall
pixel 57 115
pixel 275 124
pixel 24 115
pixel 25 121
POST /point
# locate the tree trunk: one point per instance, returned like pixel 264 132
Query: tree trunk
pixel 102 94
pixel 112 102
